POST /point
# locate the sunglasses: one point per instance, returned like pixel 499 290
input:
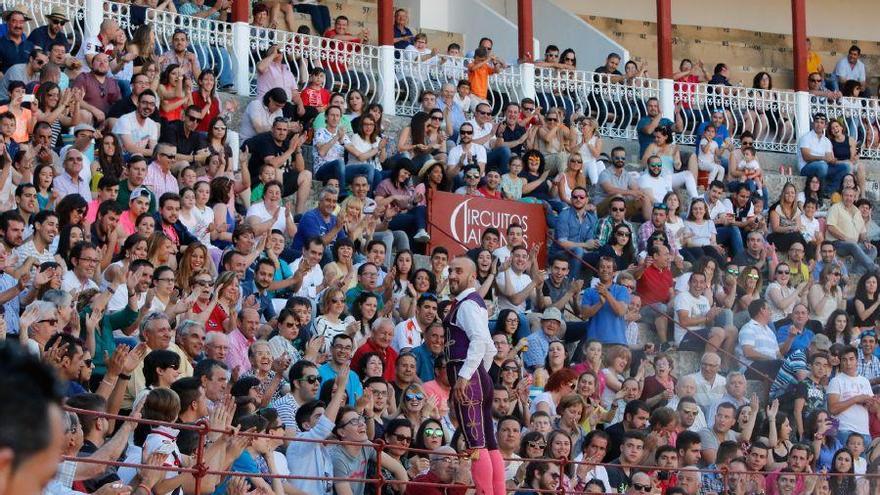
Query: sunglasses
pixel 783 272
pixel 510 368
pixel 655 165
pixel 618 209
pixel 642 488
pixel 575 161
pixel 193 118
pixel 816 80
pixel 733 271
pixel 401 438
pixel 578 196
pixel 310 379
pixel 528 109
pixel 483 112
pixel 172 366
pixel 416 396
pixel 753 276
pixel 434 432
pixel 465 133
pixel 58 22
pixel 552 120
pixel 537 445
pixel 623 234
pixel 836 274
pixel 471 176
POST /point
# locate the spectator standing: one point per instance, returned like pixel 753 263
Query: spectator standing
pixel 605 305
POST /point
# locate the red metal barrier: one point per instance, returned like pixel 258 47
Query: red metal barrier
pixel 200 469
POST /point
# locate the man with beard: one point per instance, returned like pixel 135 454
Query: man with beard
pixel 28 73
pixel 304 386
pixel 104 231
pixel 258 289
pixel 101 89
pixel 614 182
pixel 408 333
pixel 658 184
pixel 540 475
pixel 12 228
pixel 469 354
pixel 14 48
pixel 137 172
pixel 45 230
pixel 136 129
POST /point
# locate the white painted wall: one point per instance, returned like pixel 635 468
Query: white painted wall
pixel 557 26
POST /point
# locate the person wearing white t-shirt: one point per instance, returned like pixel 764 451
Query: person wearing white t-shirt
pixel 758 347
pixel 816 157
pixel 137 131
pixel 269 214
pixel 466 153
pixel 695 320
pixel 515 285
pixel 849 396
pixel 708 157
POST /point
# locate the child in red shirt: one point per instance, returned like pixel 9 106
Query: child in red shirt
pixel 315 95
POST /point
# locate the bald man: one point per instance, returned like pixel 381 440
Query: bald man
pixel 469 352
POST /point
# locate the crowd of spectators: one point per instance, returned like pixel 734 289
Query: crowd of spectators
pixel 149 270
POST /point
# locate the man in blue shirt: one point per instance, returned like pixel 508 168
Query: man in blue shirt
pixel 341 349
pixel 319 222
pixel 576 231
pixel 259 288
pixel 539 342
pixel 794 336
pixel 722 135
pixel 648 124
pixel 14 48
pixel 605 305
pixel 403 36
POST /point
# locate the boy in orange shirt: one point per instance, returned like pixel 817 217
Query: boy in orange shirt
pixel 479 71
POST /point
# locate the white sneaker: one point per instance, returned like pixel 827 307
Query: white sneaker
pixel 422 236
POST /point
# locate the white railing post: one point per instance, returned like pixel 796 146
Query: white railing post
pixel 386 79
pixel 241 52
pixel 667 99
pixel 527 78
pixel 94 12
pixel 803 116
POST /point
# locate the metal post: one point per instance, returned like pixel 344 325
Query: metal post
pixel 667 98
pixel 386 22
pixel 241 48
pixel 94 12
pixel 664 39
pixel 527 75
pixel 200 466
pixel 525 32
pixel 562 463
pixel 380 481
pixel 803 115
pixel 240 11
pixel 387 79
pixel 799 35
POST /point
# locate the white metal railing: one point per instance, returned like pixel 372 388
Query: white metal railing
pixel 73 9
pixel 346 65
pixel 212 41
pixel 617 106
pixel 413 76
pixel 770 115
pixel 860 117
pixel 393 78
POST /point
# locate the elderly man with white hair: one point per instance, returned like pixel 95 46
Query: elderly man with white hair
pixel 690 479
pixel 445 468
pixel 156 332
pixel 736 388
pixel 710 384
pixel 216 346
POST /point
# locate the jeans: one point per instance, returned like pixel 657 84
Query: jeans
pixel 732 237
pixel 863 257
pixel 498 158
pixel 410 221
pixel 830 175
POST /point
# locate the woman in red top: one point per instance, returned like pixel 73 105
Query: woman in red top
pixel 221 317
pixel 687 77
pixel 174 93
pixel 205 97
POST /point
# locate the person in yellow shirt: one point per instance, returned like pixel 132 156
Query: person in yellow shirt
pixel 845 227
pixel 814 61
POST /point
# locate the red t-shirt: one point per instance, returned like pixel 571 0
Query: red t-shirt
pixel 312 97
pixel 338 66
pixel 212 112
pixel 215 321
pixel 389 358
pixel 654 285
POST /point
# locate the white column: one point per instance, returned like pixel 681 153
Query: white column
pixel 241 53
pixel 94 12
pixel 802 113
pixel 386 79
pixel 667 99
pixel 527 75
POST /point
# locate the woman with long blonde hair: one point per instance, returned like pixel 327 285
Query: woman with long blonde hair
pixel 193 260
pixel 161 250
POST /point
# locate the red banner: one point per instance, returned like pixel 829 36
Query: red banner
pixel 457 222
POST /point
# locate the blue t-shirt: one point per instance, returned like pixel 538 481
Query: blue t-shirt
pixel 310 225
pixel 353 388
pixel 721 133
pixel 647 139
pixel 801 342
pixel 605 326
pixel 245 463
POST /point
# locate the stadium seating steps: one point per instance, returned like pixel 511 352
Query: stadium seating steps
pixel 745 52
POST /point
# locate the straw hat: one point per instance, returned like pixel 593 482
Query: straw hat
pixel 424 170
pixel 21 9
pixel 59 14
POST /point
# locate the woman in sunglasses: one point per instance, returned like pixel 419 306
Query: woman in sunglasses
pixel 749 286
pixel 826 296
pixel 415 405
pixel 429 436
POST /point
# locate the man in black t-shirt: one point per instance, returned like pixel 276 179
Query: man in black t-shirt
pixel 281 147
